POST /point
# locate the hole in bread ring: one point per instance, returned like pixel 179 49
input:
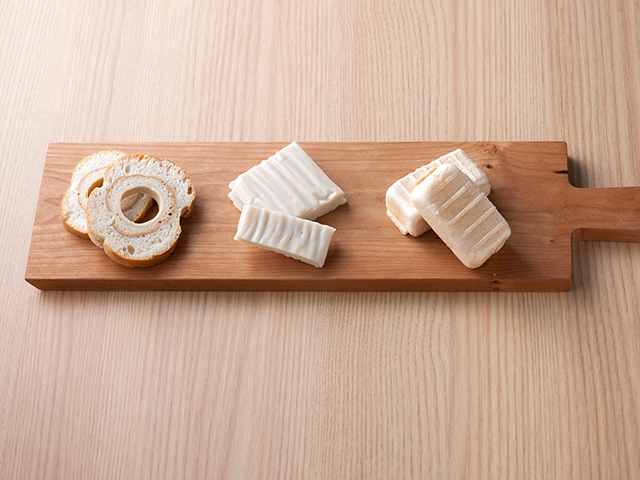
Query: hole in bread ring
pixel 154 187
pixel 95 179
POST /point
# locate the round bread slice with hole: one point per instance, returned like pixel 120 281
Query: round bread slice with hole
pixel 89 174
pixel 140 244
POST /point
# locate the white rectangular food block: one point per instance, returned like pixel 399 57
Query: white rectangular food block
pixel 399 207
pixel 398 197
pixel 294 237
pixel 289 182
pixel 461 215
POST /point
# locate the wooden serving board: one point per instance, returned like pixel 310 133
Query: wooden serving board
pixel 530 188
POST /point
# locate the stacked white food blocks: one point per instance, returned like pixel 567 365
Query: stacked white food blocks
pixel 280 198
pixel 450 195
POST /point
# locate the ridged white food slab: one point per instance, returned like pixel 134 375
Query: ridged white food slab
pixel 461 215
pixel 289 182
pixel 294 237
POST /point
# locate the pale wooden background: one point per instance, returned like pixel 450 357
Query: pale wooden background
pixel 320 385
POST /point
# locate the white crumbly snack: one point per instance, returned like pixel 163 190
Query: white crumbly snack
pixel 398 197
pixel 87 175
pixel 289 182
pixel 461 215
pixel 291 236
pixel 140 244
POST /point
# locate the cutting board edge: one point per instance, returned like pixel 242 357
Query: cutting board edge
pixel 451 285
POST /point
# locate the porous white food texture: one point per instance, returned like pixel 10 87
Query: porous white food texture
pixel 461 215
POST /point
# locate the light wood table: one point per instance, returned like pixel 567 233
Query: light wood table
pixel 320 385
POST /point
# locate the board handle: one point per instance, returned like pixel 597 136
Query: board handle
pixel 604 214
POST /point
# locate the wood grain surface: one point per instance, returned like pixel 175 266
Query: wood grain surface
pixel 324 384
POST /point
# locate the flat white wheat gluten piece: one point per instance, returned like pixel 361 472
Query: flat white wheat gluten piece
pixel 289 182
pixel 291 236
pixel 461 215
pixel 398 197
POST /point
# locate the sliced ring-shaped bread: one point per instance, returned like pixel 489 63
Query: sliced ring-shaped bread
pixel 140 244
pixel 88 175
